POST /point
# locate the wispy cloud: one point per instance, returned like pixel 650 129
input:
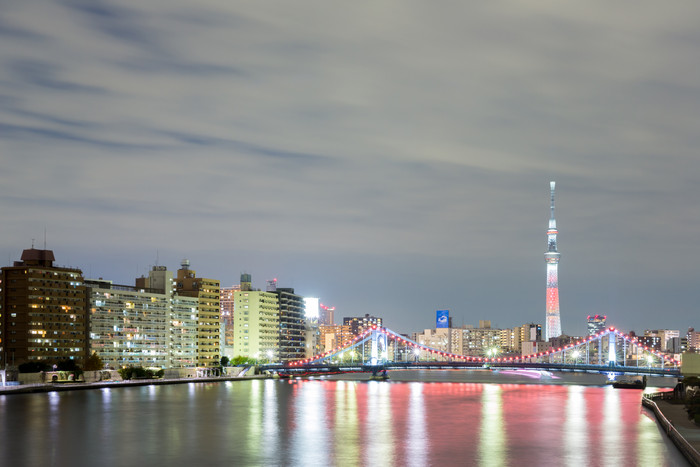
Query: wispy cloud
pixel 365 135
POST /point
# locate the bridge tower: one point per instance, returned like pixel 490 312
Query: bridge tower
pixel 378 352
pixel 551 258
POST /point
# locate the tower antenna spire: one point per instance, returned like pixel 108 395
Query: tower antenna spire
pixel 551 190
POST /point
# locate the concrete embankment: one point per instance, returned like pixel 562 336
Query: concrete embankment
pixel 674 420
pixel 57 387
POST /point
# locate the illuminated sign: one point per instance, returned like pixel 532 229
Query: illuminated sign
pixel 443 319
pixel 311 305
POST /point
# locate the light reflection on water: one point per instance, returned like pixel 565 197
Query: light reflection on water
pixel 492 443
pixel 324 422
pixel 575 436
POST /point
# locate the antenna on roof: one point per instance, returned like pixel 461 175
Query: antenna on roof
pixel 44 237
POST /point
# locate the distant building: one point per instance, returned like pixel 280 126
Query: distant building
pixel 467 340
pixel 650 339
pixel 531 332
pixel 361 324
pixel 334 335
pixel 326 315
pixel 208 316
pixel 509 340
pixel 596 324
pixel 667 336
pixel 534 347
pixel 312 338
pixel 226 304
pixel 42 307
pixel 438 339
pixel 693 340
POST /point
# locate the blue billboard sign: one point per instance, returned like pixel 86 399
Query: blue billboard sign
pixel 443 319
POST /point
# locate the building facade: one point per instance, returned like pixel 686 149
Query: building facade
pixel 148 325
pixel 326 315
pixel 43 311
pixel 256 324
pixel 693 340
pixel 292 334
pixel 333 335
pixel 596 324
pixel 208 316
pixel 360 324
pixel 128 326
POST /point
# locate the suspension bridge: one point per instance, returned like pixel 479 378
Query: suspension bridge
pixel 379 349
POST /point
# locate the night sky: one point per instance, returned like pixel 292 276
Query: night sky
pixel 391 158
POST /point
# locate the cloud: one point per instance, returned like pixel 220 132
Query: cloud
pixel 391 138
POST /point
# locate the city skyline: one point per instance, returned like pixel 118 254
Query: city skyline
pixel 353 151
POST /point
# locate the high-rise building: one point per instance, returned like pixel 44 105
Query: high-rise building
pixel 292 334
pixel 146 325
pixel 43 311
pixel 596 324
pixel 551 257
pixel 208 316
pixel 129 325
pixel 256 322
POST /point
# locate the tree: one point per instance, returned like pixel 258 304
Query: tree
pixel 94 363
pixel 71 367
pixel 34 367
pixel 224 361
pixel 68 365
pixel 241 360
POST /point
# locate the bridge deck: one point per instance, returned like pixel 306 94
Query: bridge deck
pixel 324 368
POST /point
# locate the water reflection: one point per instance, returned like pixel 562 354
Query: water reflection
pixel 379 439
pixel 492 442
pixel 346 432
pixel 320 422
pixel 612 426
pixel 310 436
pixel 575 435
pixel 416 436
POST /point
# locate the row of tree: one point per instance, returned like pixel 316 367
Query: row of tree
pixel 93 363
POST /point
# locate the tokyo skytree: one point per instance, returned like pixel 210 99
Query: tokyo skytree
pixel 551 258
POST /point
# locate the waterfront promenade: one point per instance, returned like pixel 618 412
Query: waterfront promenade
pixel 674 420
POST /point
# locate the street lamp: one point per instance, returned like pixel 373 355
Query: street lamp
pixel 575 355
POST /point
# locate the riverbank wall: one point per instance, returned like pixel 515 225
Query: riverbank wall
pixel 38 383
pixel 687 442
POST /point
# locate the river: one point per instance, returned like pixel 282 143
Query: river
pixel 416 419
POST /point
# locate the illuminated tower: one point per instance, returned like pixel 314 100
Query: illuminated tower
pixel 551 257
